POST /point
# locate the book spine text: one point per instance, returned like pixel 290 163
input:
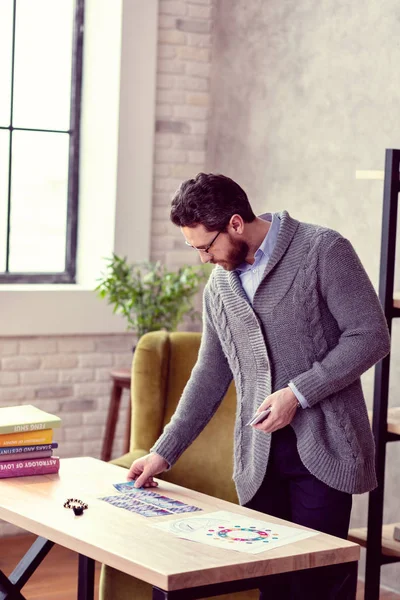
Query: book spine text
pixel 26 439
pixel 25 427
pixel 35 448
pixel 22 468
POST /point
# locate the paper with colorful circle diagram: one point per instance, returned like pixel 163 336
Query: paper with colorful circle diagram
pixel 232 531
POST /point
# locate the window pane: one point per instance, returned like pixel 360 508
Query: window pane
pixel 43 55
pixel 4 141
pixel 39 191
pixel 6 29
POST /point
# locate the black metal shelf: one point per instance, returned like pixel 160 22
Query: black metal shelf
pixel 390 551
pixel 379 554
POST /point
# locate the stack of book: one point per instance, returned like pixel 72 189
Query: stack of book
pixel 26 441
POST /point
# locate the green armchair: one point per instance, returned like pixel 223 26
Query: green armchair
pixel 161 366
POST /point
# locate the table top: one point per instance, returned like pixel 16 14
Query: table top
pixel 127 542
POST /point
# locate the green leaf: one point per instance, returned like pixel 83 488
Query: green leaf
pixel 148 295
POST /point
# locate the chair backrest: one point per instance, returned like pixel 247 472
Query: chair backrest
pixel 161 367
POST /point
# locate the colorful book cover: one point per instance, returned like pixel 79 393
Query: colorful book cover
pixel 31 466
pixel 24 455
pixel 28 438
pixel 24 418
pixel 35 448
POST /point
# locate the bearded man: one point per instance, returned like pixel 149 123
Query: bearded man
pixel 291 315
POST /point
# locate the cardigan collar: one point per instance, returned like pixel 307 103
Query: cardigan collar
pixel 286 232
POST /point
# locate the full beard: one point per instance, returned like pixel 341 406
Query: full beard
pixel 237 255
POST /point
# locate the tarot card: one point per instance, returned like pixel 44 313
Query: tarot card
pixel 152 499
pixel 161 501
pixel 127 486
pixel 184 508
pixel 128 502
pixel 170 504
pixel 174 506
pixel 147 510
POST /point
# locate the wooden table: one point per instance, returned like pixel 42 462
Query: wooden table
pixel 176 568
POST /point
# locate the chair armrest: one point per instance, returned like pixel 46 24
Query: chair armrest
pixel 127 459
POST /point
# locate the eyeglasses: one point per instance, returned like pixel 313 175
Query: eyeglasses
pixel 206 248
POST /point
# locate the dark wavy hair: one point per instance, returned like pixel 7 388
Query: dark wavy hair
pixel 210 200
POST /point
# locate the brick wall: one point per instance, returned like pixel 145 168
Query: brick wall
pixel 183 83
pixel 70 375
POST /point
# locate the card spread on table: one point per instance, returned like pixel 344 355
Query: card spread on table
pixel 232 531
pixel 146 502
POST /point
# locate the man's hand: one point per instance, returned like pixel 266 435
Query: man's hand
pixel 283 405
pixel 144 468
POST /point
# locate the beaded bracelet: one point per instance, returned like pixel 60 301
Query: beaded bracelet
pixel 78 507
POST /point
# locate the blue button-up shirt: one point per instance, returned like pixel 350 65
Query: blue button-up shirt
pixel 251 275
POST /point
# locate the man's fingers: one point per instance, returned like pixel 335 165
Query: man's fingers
pixel 150 483
pixel 143 469
pixel 140 481
pixel 269 425
pixel 131 475
pixel 143 478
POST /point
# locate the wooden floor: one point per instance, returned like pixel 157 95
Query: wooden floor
pixel 56 577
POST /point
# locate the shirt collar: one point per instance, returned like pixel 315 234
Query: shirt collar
pixel 266 246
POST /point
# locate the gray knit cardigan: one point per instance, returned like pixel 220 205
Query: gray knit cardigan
pixel 315 321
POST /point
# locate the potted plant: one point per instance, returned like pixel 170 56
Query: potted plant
pixel 148 295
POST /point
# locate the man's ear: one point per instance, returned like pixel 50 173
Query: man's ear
pixel 236 223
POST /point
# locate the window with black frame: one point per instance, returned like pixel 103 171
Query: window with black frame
pixel 41 45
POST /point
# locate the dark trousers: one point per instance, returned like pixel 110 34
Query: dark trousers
pixel 290 492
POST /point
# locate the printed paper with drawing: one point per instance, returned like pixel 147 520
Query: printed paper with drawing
pixel 232 531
